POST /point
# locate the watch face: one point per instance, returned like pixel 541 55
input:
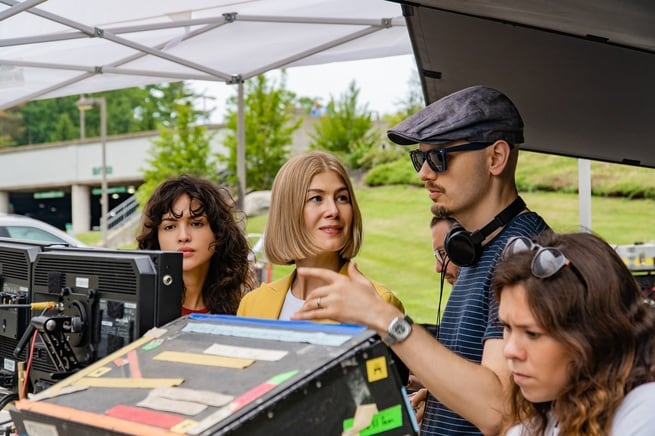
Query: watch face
pixel 400 328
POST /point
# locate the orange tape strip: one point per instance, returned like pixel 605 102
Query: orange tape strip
pixel 135 370
pixel 91 419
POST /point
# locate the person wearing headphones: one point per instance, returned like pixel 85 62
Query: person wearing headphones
pixel 466 156
pixel 440 226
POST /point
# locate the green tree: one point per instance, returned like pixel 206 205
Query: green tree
pixel 41 117
pixel 10 128
pixel 184 149
pixel 64 129
pixel 383 161
pixel 345 130
pixel 128 110
pixel 269 120
pixel 412 103
pixel 158 105
pixel 140 109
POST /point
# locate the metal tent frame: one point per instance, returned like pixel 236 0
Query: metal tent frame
pixel 66 47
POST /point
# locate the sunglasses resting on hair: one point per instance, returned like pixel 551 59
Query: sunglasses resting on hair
pixel 547 260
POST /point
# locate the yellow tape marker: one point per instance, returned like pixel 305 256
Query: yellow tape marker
pixel 114 382
pixel 99 372
pixel 203 359
pixel 376 369
pixel 184 426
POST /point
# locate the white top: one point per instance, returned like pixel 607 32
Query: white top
pixel 520 430
pixel 292 304
pixel 634 417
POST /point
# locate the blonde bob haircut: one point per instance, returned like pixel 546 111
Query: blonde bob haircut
pixel 287 238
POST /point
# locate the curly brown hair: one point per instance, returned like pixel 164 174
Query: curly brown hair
pixel 229 274
pixel 596 310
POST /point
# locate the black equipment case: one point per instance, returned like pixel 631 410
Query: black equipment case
pixel 216 374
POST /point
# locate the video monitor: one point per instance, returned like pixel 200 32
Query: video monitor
pixel 106 299
pixel 16 259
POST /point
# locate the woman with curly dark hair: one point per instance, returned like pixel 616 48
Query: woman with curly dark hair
pixel 579 340
pixel 197 218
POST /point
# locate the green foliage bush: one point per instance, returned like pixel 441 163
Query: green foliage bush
pixel 184 149
pixel 399 172
pixel 377 156
pixel 346 130
pixel 537 172
pixel 270 123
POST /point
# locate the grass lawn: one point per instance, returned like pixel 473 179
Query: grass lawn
pixel 397 248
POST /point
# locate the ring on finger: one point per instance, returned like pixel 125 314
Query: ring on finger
pixel 318 303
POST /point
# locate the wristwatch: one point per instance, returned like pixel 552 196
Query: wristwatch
pixel 399 329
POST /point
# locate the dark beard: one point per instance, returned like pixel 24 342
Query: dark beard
pixel 440 210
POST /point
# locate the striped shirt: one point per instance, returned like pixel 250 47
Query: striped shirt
pixel 471 317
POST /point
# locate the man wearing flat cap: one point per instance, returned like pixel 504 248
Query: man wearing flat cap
pixel 466 156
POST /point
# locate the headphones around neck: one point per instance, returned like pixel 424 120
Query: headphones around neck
pixel 465 248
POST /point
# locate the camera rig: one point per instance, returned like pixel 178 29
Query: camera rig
pixel 65 338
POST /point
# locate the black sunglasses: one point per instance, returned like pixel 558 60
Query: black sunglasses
pixel 437 156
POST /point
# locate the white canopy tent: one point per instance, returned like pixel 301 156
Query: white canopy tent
pixel 54 48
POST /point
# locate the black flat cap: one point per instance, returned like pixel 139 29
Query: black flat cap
pixel 475 114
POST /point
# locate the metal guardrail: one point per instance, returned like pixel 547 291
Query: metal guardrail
pixel 123 212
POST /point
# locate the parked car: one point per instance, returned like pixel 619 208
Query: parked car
pixel 29 229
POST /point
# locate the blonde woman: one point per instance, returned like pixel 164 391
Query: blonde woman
pixel 314 221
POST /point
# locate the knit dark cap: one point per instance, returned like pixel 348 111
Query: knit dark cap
pixel 475 114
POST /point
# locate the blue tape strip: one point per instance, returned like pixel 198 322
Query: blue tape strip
pixel 343 329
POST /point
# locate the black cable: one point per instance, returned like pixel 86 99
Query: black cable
pixel 12 396
pixel 442 279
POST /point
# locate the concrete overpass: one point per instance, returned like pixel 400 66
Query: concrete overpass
pixel 60 182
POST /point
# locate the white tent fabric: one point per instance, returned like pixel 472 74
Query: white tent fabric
pixel 581 71
pixel 54 48
pixel 66 47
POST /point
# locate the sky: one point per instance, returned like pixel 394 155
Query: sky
pixel 383 82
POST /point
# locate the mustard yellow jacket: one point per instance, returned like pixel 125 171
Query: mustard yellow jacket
pixel 266 301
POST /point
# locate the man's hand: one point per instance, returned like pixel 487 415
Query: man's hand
pixel 417 400
pixel 348 299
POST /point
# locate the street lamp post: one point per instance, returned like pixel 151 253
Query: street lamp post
pixel 84 104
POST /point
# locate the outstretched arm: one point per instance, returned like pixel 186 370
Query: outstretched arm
pixel 473 391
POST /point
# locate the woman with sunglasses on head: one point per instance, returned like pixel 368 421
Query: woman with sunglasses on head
pixel 578 339
pixel 314 220
pixel 197 218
